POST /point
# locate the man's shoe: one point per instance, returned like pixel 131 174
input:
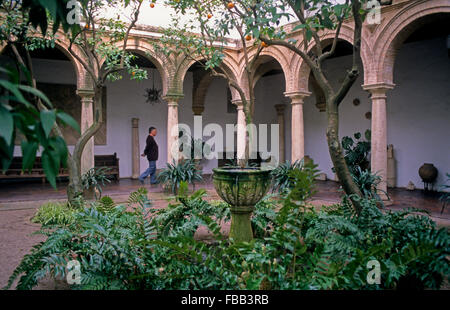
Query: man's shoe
pixel 142 181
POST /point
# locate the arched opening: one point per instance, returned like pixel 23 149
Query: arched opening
pixel 56 77
pixel 418 108
pixel 209 97
pixel 353 110
pixel 128 99
pixel 271 106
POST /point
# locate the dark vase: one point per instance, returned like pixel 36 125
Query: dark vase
pixel 428 173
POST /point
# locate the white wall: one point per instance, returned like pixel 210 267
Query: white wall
pixel 419 110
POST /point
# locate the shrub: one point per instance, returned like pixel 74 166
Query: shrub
pixel 54 213
pixel 105 244
pixel 295 248
pixel 367 183
pixel 95 179
pixel 175 173
pixel 281 180
pixel 445 197
pixel 105 204
pixel 356 152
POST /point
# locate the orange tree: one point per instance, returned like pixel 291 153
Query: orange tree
pixel 260 19
pixel 201 35
pixel 103 42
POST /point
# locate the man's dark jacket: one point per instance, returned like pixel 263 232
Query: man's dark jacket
pixel 151 149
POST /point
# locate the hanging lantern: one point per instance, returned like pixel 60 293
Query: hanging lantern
pixel 153 94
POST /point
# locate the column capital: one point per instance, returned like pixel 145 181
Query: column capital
pixel 85 93
pixel 297 96
pixel 280 108
pixel 378 90
pixel 173 98
pixel 198 109
pixel 135 122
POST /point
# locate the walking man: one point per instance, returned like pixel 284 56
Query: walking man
pixel 151 151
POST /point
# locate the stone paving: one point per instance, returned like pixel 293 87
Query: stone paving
pixel 18 203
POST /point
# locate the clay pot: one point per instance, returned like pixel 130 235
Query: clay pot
pixel 428 173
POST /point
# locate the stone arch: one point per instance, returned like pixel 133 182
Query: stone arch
pixel 202 81
pixel 146 50
pixel 301 70
pixel 62 44
pixel 83 78
pixel 392 36
pixel 227 67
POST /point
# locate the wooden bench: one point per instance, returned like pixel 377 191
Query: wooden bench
pixel 109 161
pixel 225 161
pixel 15 169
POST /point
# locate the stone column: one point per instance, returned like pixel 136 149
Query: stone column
pixel 378 150
pixel 241 129
pixel 87 119
pixel 135 150
pixel 280 114
pixel 297 125
pixel 172 128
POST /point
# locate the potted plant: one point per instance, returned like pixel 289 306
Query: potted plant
pixel 192 146
pixel 174 174
pixel 93 181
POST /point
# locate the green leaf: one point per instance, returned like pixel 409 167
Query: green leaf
pixel 36 92
pixel 6 125
pixel 60 147
pixel 301 26
pixel 48 119
pixel 29 154
pixel 308 35
pixel 368 134
pixel 15 91
pixel 50 168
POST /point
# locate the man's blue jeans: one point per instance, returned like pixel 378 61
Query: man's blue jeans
pixel 151 171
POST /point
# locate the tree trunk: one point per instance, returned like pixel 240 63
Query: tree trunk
pixel 75 187
pixel 337 155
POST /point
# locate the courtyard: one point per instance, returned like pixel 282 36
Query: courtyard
pixel 290 145
pixel 19 203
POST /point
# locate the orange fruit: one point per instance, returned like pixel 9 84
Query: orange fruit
pixel 87 26
pixel 264 44
pixel 133 73
pixel 248 37
pixel 209 16
pixel 152 5
pixel 230 5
